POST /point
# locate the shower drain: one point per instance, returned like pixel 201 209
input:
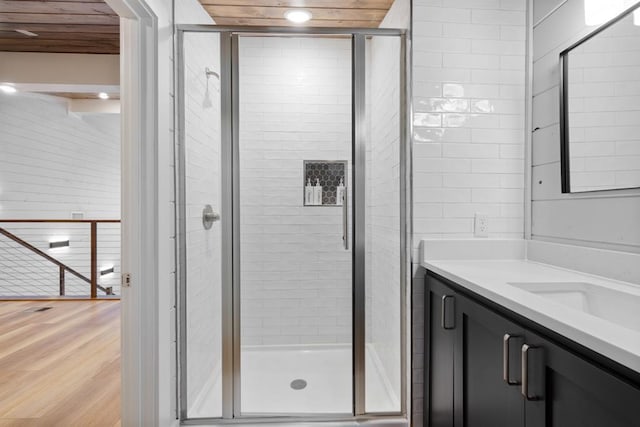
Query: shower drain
pixel 298 384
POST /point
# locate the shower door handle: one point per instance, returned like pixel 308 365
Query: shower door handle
pixel 345 219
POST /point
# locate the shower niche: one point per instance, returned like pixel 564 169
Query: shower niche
pixel 325 182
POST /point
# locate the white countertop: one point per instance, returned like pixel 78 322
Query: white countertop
pixel 506 264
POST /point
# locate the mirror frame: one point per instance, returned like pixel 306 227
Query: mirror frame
pixel 564 104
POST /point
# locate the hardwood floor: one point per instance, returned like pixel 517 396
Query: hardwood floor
pixel 60 367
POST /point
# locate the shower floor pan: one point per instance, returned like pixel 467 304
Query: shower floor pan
pixel 300 380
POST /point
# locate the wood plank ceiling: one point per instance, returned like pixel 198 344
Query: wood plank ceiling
pixel 326 13
pixel 70 26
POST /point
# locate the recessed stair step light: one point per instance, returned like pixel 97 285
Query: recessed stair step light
pixel 106 271
pixel 59 244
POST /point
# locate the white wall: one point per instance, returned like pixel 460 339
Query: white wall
pixel 604 219
pixel 53 163
pixel 295 105
pixel 468 136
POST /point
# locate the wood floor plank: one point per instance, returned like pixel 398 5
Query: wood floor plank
pixel 60 367
pixel 65 378
pixel 18 318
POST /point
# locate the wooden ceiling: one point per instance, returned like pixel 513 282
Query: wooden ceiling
pixel 70 26
pixel 326 13
pixel 91 26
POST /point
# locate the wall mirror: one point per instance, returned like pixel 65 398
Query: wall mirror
pixel 600 108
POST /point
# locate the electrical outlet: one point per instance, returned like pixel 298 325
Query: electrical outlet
pixel 481 225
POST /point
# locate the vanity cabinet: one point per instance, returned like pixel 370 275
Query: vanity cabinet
pixel 486 366
pixel 440 354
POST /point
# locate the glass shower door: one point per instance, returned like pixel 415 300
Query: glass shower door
pixel 201 224
pixel 290 192
pixel 295 141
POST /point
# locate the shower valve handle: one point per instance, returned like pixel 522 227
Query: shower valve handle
pixel 209 217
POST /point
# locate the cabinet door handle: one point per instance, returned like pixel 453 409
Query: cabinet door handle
pixel 506 355
pixel 448 312
pixel 526 349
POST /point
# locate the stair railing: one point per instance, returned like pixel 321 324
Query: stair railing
pixel 63 268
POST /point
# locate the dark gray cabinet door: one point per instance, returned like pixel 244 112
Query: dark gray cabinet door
pixel 547 384
pixel 487 386
pixel 440 326
pixel 568 390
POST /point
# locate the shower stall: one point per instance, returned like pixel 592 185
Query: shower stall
pixel 291 223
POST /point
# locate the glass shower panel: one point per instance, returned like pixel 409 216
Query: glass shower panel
pixel 295 279
pixel 383 380
pixel 202 252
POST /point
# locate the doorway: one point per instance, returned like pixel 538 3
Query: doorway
pixel 291 257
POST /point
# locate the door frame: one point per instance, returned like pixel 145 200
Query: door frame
pixel 229 89
pixel 140 249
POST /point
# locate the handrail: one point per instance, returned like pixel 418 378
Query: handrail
pixel 93 281
pixel 43 255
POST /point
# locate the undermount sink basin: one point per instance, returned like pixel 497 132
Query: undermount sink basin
pixel 613 305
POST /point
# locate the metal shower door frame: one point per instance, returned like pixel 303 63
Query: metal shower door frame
pixel 230 208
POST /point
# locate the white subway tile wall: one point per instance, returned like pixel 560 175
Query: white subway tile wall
pixel 55 163
pixel 203 247
pixel 382 276
pixel 468 136
pixel 469 61
pixel 295 105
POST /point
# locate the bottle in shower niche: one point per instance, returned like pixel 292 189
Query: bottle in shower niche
pixel 317 193
pixel 309 198
pixel 340 193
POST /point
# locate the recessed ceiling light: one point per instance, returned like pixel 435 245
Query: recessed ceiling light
pixel 8 88
pixel 103 95
pixel 27 33
pixel 297 15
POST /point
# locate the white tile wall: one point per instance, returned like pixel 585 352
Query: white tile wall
pixel 605 220
pixel 468 137
pixel 295 105
pixel 469 116
pixel 383 201
pixel 52 164
pixel 203 247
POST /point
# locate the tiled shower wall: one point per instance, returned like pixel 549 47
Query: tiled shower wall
pixel 295 105
pixel 202 187
pixel 383 197
pixel 53 163
pixel 468 138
